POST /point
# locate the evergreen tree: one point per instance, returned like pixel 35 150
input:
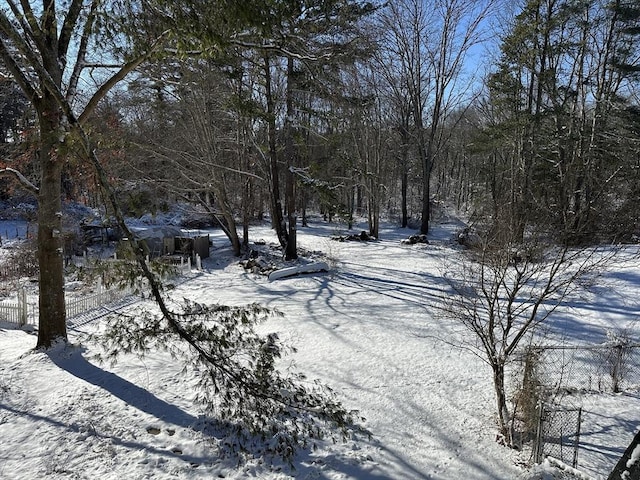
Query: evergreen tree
pixel 556 103
pixel 46 48
pixel 287 38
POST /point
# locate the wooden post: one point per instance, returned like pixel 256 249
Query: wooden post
pixel 538 451
pixel 22 301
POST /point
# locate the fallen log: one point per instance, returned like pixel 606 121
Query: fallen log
pixel 290 271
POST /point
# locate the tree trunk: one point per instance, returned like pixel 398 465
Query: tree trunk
pixel 232 232
pixel 501 402
pixel 304 220
pixel 426 207
pixel 52 321
pixel 246 205
pixel 404 190
pixel 277 219
pixel 291 250
pixel 628 467
pixel 374 220
pixel 425 153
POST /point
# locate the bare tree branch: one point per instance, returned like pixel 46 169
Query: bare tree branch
pixel 70 21
pixel 117 77
pixel 27 21
pixel 24 181
pixel 82 48
pixel 20 78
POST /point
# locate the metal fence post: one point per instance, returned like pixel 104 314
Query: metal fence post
pixel 577 442
pixel 615 374
pixel 538 446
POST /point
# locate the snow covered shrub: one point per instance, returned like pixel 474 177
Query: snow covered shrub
pixel 237 381
pixel 615 360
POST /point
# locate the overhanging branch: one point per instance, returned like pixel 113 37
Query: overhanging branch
pixel 117 77
pixel 24 181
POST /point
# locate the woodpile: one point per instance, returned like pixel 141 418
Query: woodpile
pixel 360 237
pixel 414 239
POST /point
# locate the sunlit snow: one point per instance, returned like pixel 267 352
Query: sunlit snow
pixel 368 328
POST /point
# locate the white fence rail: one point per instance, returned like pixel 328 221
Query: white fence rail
pixel 77 306
pixel 21 311
pixel 13 313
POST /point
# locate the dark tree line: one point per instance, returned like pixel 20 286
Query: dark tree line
pixel 560 131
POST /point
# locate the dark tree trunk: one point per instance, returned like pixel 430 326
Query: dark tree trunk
pixel 425 152
pixel 426 207
pixel 246 205
pixel 501 401
pixel 277 219
pixel 628 467
pixel 52 321
pixel 232 232
pixel 404 188
pixel 291 249
pixel 427 166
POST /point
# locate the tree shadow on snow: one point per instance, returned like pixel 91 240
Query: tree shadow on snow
pixel 70 428
pixel 72 360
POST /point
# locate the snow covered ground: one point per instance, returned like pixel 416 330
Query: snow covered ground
pixel 367 328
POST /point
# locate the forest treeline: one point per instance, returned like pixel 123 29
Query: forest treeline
pixel 521 115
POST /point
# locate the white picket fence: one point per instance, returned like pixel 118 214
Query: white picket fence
pixel 21 312
pixel 15 312
pixel 78 306
pixel 24 311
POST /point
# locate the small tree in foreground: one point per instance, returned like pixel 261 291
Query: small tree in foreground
pixel 504 292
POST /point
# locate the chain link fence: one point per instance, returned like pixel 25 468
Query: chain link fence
pixel 558 434
pixel 607 368
pixel 549 372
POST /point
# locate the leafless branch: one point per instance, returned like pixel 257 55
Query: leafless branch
pixel 82 48
pixel 24 181
pixel 117 77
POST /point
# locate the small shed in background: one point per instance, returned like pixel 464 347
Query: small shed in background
pixel 167 240
pixel 192 246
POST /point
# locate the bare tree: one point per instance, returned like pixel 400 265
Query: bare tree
pixel 200 146
pixel 429 41
pixel 502 294
pixel 367 120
